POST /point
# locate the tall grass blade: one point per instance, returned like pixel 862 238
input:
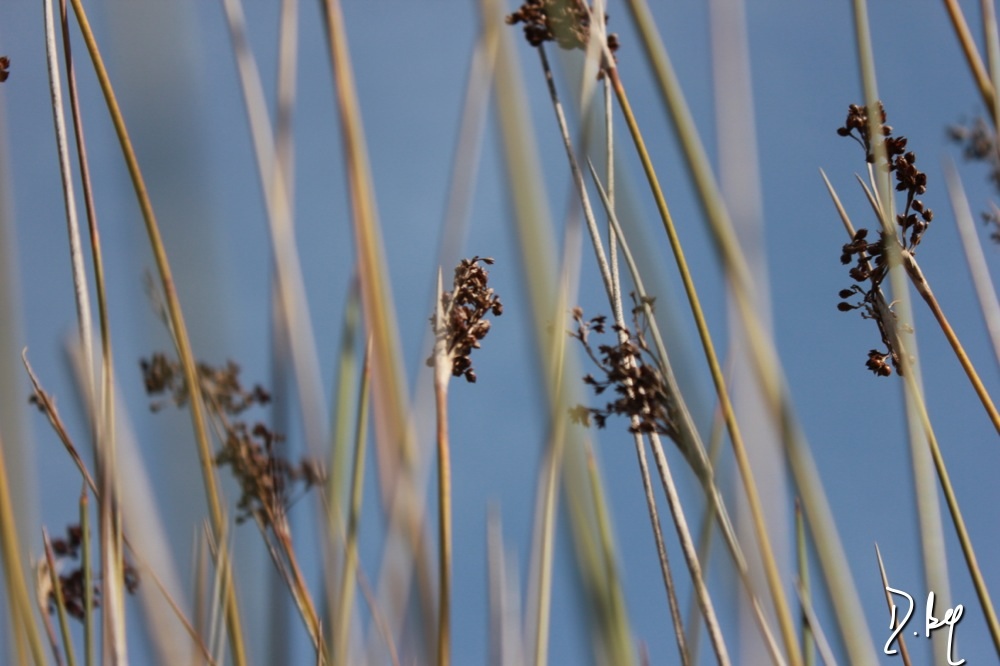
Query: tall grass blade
pixel 989 305
pixel 178 327
pixel 22 617
pixel 972 57
pixel 763 356
pixel 348 576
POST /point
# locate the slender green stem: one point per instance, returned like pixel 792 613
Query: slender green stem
pixel 88 582
pixel 67 639
pixel 808 644
pixel 346 600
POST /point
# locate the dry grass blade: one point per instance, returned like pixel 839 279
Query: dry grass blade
pixel 22 617
pixel 972 57
pixel 904 654
pixel 176 317
pixel 392 418
pixel 393 422
pixel 535 238
pixel 442 374
pixel 923 288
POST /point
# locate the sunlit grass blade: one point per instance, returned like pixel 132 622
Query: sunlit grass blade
pixel 273 170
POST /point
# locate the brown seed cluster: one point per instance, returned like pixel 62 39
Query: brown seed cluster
pixel 632 375
pixel 870 258
pixel 4 68
pixel 565 22
pixel 465 308
pixel 264 476
pixel 979 144
pixel 915 217
pixel 72 582
pixel 992 220
pixel 221 386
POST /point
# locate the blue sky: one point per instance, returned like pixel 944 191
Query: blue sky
pixel 173 68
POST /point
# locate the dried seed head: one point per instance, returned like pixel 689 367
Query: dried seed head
pixel 464 309
pixel 632 374
pixel 565 22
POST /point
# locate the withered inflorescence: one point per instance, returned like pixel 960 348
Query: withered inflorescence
pixel 565 22
pixel 465 308
pixel 870 258
pixel 979 144
pixel 264 476
pixel 71 582
pixel 640 390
